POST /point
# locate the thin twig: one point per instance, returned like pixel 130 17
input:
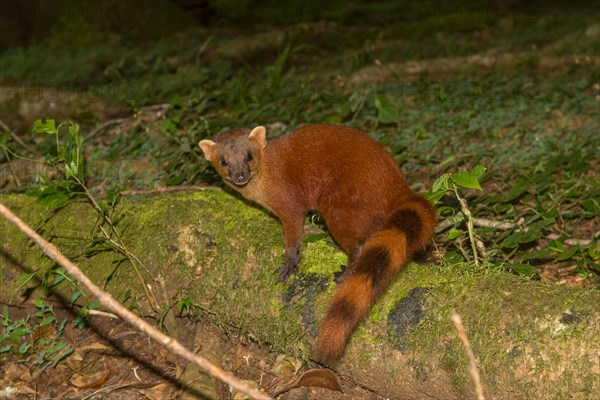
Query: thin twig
pixel 473 370
pixel 571 242
pixel 202 48
pixel 113 305
pixel 112 388
pixel 465 209
pixel 162 107
pixel 12 168
pixel 103 314
pixel 490 223
pixel 108 123
pixel 17 139
pixel 360 106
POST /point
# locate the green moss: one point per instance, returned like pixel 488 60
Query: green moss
pixel 499 312
pixel 70 229
pixel 321 257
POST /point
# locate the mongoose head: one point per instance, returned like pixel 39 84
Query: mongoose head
pixel 236 155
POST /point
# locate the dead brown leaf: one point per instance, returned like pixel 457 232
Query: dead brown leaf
pixel 88 382
pixel 43 331
pixel 318 377
pixel 161 391
pixel 17 373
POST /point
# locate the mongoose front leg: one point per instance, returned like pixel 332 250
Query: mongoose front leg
pixel 292 228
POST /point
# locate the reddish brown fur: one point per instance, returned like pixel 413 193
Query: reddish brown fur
pixel 360 192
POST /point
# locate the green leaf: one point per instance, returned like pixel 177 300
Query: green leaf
pixel 75 296
pixel 453 257
pixel 593 251
pixel 522 269
pixel 434 197
pixel 48 320
pixel 569 253
pixel 24 347
pixel 541 224
pixel 176 118
pixel 176 101
pixel 44 126
pixel 168 126
pixel 521 237
pixel 61 356
pixel 70 170
pixel 454 233
pixel 41 357
pixel 73 128
pixel 176 180
pixel 591 206
pixel 56 195
pixel 537 255
pixel 4 138
pixel 518 189
pixel 112 194
pixel 61 328
pixel 469 179
pixel 458 218
pixel 184 303
pixel 441 183
pixel 533 232
pixel 57 279
pixel 387 112
pixel 315 237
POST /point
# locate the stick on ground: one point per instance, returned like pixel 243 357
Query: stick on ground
pixel 473 370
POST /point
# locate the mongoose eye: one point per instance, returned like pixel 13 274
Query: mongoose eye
pixel 224 162
pixel 249 157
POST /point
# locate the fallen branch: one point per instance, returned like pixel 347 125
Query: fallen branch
pixel 109 302
pixel 504 225
pixel 473 370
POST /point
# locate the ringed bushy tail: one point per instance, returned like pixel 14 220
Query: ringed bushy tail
pixel 384 253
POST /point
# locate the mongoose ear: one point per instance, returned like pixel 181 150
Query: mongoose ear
pixel 208 147
pixel 259 134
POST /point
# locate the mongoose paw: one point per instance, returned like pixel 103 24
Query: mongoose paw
pixel 340 275
pixel 286 270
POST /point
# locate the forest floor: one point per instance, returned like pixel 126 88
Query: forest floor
pixel 112 360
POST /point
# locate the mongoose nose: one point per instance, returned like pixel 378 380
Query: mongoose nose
pixel 241 178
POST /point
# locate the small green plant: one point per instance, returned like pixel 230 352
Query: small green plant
pixel 13 333
pixel 37 339
pixel 57 192
pixel 387 112
pixel 453 182
pixel 184 304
